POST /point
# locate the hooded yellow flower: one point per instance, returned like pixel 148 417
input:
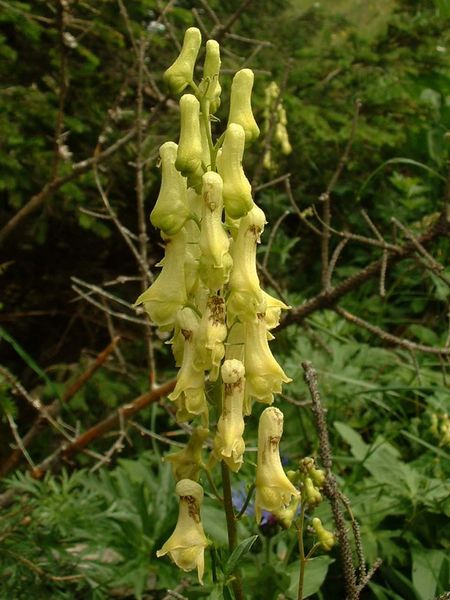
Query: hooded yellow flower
pixel 273 489
pixel 167 295
pixel 189 392
pixel 229 444
pixel 246 297
pixel 186 546
pixel 186 462
pixel 263 374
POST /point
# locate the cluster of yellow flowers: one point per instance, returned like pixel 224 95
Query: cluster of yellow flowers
pixel 208 294
pixel 275 116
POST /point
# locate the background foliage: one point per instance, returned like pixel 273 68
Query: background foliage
pixel 92 529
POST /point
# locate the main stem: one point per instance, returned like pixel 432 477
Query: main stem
pixel 231 527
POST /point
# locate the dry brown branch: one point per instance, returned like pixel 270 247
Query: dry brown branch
pixel 66 451
pixel 388 337
pixel 272 235
pixel 47 413
pixel 328 298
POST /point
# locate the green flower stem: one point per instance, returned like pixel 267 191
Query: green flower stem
pixel 204 108
pixel 211 483
pixel 231 527
pixel 301 548
pixel 246 503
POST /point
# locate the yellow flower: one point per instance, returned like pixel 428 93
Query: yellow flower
pixel 189 154
pixel 273 489
pixel 211 337
pixel 171 209
pixel 246 297
pixel 189 392
pixel 181 72
pixel 273 308
pixel 215 260
pixel 229 444
pixel 186 462
pixel 210 87
pixel 237 191
pixel 263 374
pixel 240 104
pixel 166 296
pixel 186 546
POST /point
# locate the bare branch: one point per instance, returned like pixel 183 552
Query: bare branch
pixel 388 337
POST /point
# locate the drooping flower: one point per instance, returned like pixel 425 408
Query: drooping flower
pixel 186 463
pixel 263 374
pixel 189 392
pixel 181 72
pixel 246 297
pixel 237 191
pixel 273 489
pixel 186 546
pixel 273 308
pixel 167 294
pixel 229 444
pixel 241 104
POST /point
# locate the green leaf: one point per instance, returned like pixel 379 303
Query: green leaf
pixel 237 553
pixel 427 564
pixel 315 572
pixel 358 447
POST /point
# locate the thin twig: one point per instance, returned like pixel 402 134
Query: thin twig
pixel 328 298
pixel 272 235
pixel 326 199
pixel 388 337
pixel 47 413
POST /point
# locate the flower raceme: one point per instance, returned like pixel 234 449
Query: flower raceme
pixel 208 293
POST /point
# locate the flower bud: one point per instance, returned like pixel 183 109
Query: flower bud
pixel 189 392
pixel 273 489
pixel 186 546
pixel 212 335
pixel 240 104
pixel 189 155
pixel 165 297
pixel 171 210
pixel 229 444
pixel 215 260
pixel 237 191
pixel 326 538
pixel 311 495
pixel 186 462
pixel 181 72
pixel 263 374
pixel 210 87
pixel 246 297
